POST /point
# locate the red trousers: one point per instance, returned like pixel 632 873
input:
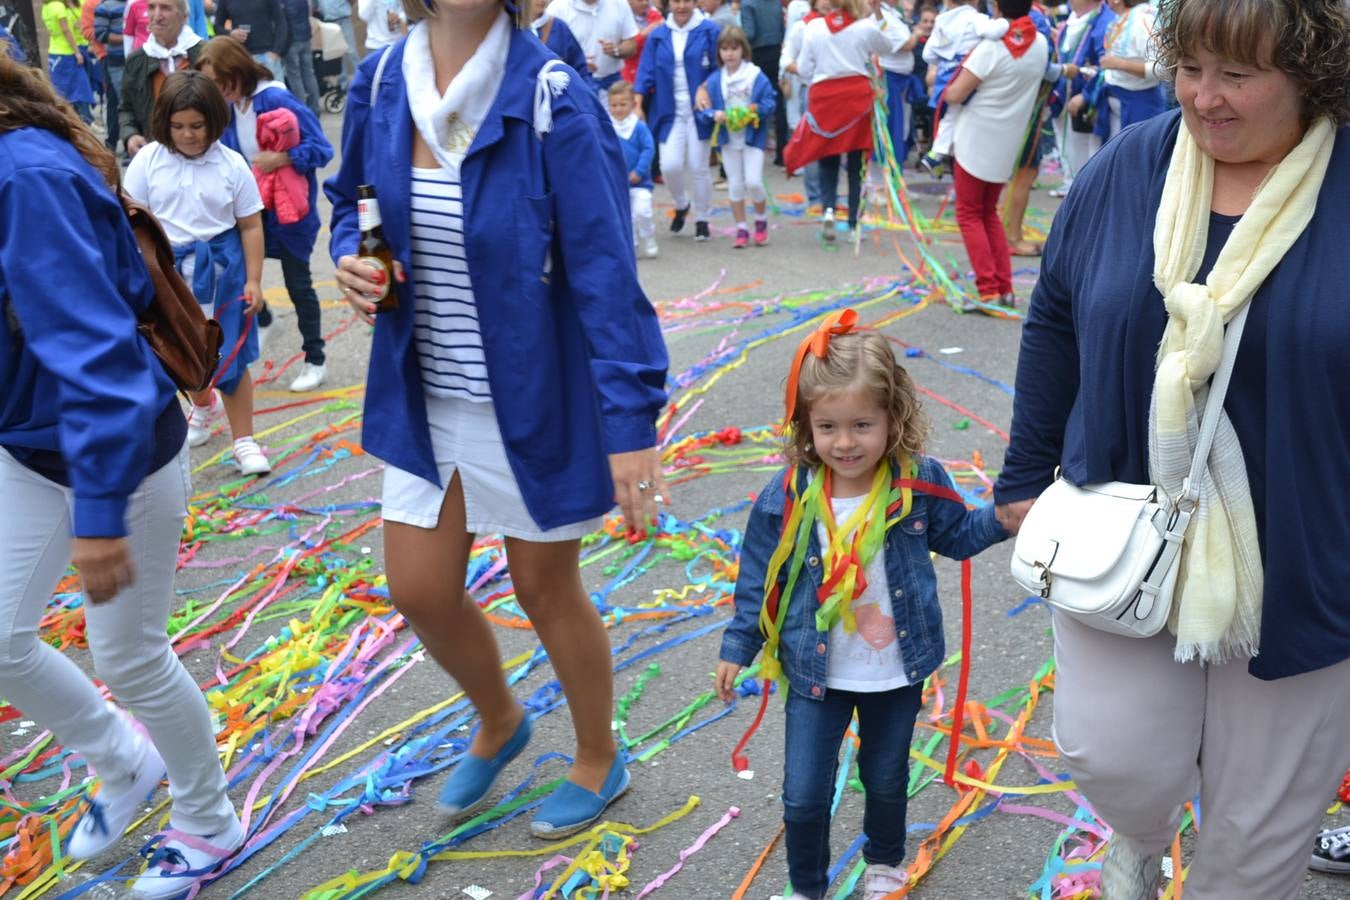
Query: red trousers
pixel 982 232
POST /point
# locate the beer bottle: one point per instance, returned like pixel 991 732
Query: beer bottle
pixel 374 250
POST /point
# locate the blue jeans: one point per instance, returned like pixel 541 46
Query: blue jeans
pixel 112 84
pixel 277 66
pixel 300 74
pixel 815 729
pixel 812 170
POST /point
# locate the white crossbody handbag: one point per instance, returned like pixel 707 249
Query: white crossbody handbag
pixel 1108 554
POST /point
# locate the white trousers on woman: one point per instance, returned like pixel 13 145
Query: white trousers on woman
pixel 127 637
pixel 1143 734
pixel 684 165
pixel 745 172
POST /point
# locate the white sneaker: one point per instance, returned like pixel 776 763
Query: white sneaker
pixel 649 248
pixel 200 420
pixel 180 860
pixel 250 457
pixel 827 225
pixel 879 881
pixel 1128 874
pixel 310 377
pixel 264 332
pixel 112 809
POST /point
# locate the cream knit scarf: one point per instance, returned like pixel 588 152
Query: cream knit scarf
pixel 1216 615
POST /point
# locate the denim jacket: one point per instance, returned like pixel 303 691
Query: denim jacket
pixel 933 523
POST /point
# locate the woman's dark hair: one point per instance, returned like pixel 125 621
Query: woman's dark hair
pixel 1014 9
pixel 28 100
pixel 1307 39
pixel 232 65
pixel 189 90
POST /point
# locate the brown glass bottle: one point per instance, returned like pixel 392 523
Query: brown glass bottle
pixel 374 250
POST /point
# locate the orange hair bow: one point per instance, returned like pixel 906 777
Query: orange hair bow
pixel 818 342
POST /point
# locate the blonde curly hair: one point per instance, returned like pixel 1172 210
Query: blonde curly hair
pixel 857 361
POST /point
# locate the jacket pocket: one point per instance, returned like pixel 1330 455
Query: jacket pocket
pixel 534 245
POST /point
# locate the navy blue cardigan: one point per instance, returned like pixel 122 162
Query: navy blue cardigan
pixel 1085 377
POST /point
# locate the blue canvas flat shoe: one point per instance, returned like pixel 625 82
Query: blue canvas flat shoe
pixel 572 808
pixel 471 781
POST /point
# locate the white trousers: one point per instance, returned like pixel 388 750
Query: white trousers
pixel 684 165
pixel 640 201
pixel 1142 734
pixel 127 638
pixel 1078 148
pixel 745 172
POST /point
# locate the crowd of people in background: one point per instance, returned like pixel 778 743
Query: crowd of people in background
pixel 213 118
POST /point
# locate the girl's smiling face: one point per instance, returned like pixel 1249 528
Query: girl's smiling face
pixel 851 433
pixel 187 130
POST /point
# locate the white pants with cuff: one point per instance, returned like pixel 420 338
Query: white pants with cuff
pixel 640 201
pixel 684 165
pixel 1142 734
pixel 127 637
pixel 1077 149
pixel 745 172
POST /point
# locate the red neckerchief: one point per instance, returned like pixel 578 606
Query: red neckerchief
pixel 1021 35
pixel 811 15
pixel 838 20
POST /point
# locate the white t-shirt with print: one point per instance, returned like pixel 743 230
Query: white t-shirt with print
pixel 590 23
pixel 869 659
pixel 993 122
pixel 1131 37
pixel 194 199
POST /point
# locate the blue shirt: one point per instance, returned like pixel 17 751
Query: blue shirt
pixel 638 151
pixel 311 154
pixel 656 74
pixel 297 20
pixel 762 95
pixel 575 357
pixel 75 375
pixel 1086 367
pixel 933 524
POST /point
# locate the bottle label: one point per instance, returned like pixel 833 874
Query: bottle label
pixel 378 264
pixel 368 214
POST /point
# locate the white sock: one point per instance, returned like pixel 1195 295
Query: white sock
pixel 742 226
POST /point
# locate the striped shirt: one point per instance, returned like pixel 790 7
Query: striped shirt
pixel 449 344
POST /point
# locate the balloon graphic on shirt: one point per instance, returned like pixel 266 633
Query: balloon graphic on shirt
pixel 874 626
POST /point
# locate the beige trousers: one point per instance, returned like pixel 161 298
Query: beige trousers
pixel 1143 734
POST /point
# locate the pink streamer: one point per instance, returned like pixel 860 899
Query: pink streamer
pixel 689 851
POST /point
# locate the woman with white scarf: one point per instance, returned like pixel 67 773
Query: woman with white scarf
pixel 666 95
pixel 1237 199
pixel 515 388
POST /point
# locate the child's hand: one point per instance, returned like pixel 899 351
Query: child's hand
pixel 271 160
pixel 719 116
pixel 753 107
pixel 726 680
pixel 253 297
pixel 633 178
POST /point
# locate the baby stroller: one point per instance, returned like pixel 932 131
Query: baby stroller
pixel 330 51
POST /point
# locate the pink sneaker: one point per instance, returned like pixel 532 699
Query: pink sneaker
pixel 742 239
pixel 761 233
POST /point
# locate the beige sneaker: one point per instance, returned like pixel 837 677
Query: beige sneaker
pixel 879 881
pixel 1128 873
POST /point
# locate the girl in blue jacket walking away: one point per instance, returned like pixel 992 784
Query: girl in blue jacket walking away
pixel 739 99
pixel 837 586
pixel 515 389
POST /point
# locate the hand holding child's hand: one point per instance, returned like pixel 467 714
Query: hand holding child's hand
pixel 719 116
pixel 253 297
pixel 726 680
pixel 1010 515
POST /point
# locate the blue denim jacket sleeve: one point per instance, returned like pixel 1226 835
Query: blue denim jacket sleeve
pixel 742 640
pixel 953 530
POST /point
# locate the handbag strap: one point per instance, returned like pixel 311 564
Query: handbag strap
pixel 1218 388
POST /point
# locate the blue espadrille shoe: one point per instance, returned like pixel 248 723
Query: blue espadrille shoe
pixel 572 808
pixel 471 781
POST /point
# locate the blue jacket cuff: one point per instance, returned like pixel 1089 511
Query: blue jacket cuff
pixel 737 653
pixel 623 434
pixel 100 517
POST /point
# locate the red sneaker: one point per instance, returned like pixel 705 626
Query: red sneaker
pixel 761 233
pixel 742 239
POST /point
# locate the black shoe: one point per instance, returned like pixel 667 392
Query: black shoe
pixel 701 232
pixel 677 223
pixel 1331 852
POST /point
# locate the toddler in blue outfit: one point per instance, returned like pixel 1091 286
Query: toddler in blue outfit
pixel 638 150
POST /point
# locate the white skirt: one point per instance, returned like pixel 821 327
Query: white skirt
pixel 466 439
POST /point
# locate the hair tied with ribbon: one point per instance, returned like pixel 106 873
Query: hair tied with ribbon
pixel 842 321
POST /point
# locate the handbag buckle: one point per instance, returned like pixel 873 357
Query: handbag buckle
pixel 1042 571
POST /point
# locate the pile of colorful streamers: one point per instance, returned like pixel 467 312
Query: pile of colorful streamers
pixel 294 619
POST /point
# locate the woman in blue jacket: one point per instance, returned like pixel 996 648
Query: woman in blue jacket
pixel 251 93
pixel 665 94
pixel 515 388
pixel 92 456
